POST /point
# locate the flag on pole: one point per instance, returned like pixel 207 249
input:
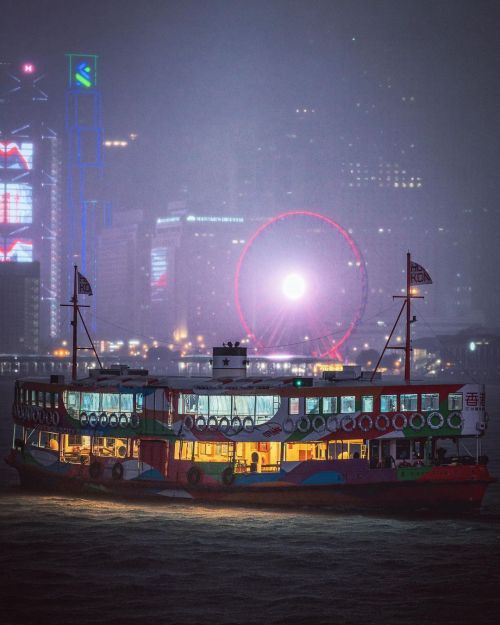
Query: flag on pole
pixel 418 275
pixel 84 287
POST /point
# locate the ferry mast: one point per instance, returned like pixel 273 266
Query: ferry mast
pixel 416 274
pixel 74 323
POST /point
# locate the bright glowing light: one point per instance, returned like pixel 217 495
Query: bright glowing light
pixel 294 286
pixel 28 68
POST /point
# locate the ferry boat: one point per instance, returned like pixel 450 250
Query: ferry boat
pixel 347 441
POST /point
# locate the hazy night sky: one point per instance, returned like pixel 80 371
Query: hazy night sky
pixel 189 76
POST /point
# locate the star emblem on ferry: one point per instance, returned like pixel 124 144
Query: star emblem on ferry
pixel 226 362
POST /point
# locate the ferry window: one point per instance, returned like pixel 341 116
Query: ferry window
pixel 455 401
pixel 408 402
pixel 110 402
pixel 183 450
pixel 55 400
pixel 244 405
pixel 329 405
pixel 430 401
pixel 110 447
pixel 264 406
pixel 403 448
pixel 126 402
pixel 347 403
pixel 90 402
pixel 367 403
pixel 72 402
pixel 388 403
pixel 312 405
pixel 49 440
pixel 139 402
pixel 220 405
pixel 189 404
pixel 293 405
pixel 33 398
pixel 41 398
pixel 194 404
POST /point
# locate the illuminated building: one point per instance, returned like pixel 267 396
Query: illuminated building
pixel 87 212
pixel 20 309
pixel 193 257
pixel 30 176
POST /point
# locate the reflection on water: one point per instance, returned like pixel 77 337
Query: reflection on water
pixel 81 561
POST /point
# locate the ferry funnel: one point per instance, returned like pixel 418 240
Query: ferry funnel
pixel 229 361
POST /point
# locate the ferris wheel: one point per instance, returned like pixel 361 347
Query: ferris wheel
pixel 300 285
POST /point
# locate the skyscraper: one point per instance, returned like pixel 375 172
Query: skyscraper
pixel 30 203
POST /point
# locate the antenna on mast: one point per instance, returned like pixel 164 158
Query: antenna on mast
pixel 80 285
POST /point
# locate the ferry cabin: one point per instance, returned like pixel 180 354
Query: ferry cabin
pixel 192 430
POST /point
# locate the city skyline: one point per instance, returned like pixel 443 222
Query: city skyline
pixel 317 112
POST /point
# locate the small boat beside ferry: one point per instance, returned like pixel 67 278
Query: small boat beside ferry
pixel 347 441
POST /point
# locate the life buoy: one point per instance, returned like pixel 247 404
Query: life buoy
pixel 332 423
pixel 135 420
pixel 113 420
pixel 34 414
pixel 188 422
pixel 93 419
pixel 224 425
pixel 399 421
pixel 236 425
pixel 95 470
pixel 123 420
pixel 457 425
pixel 303 425
pixel 319 423
pixel 117 471
pixel 431 420
pixel 416 421
pixel 103 420
pixel 288 425
pixel 84 420
pixel 201 424
pixel 212 424
pixel 228 476
pixel 348 423
pixel 365 423
pixel 382 427
pixel 55 418
pixel 47 416
pixel 194 476
pixel 248 424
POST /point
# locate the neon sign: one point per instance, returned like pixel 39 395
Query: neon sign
pixel 16 205
pixel 16 155
pixel 83 75
pixel 18 250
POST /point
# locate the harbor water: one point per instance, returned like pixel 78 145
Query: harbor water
pixel 71 560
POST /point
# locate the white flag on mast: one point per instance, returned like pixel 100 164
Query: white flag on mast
pixel 418 275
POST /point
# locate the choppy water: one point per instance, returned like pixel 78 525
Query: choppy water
pixel 69 560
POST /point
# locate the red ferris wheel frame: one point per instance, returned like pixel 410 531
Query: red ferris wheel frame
pixel 334 351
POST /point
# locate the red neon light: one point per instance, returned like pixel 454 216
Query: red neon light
pixel 12 149
pixel 7 253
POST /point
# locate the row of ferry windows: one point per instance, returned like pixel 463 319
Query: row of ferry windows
pixel 43 399
pixel 95 402
pixel 388 403
pixel 227 405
